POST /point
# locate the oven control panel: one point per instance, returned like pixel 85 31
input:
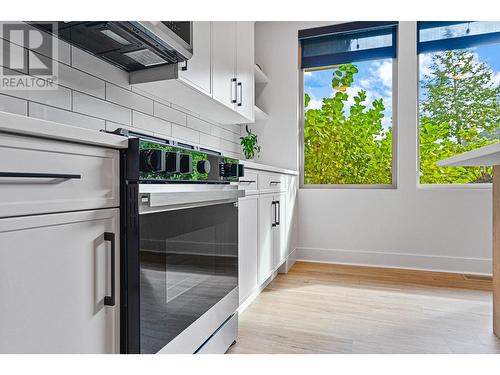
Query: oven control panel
pixel 170 162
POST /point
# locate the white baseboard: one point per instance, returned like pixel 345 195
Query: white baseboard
pixel 477 266
pixel 256 292
pixel 287 264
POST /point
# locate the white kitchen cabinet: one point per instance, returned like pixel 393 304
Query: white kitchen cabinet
pixel 266 236
pixel 53 176
pixel 247 245
pixel 245 71
pixel 272 242
pixel 197 71
pixel 219 76
pixel 224 81
pixel 55 274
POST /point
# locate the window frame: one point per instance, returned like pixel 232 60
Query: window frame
pixel 394 184
pixel 419 185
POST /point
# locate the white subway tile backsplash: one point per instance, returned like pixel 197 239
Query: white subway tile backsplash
pixel 92 106
pixel 57 96
pixel 18 56
pixel 150 123
pixel 62 51
pixel 224 134
pixel 230 146
pixel 128 98
pixel 13 105
pixel 182 109
pixel 169 114
pixel 232 128
pixel 185 134
pixel 77 80
pixel 209 141
pixel 99 68
pixel 64 117
pixel 197 124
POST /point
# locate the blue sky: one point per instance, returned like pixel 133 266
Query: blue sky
pixel 376 78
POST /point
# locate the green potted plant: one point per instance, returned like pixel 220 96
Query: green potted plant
pixel 249 143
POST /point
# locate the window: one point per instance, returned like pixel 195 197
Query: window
pixel 348 106
pixel 459 96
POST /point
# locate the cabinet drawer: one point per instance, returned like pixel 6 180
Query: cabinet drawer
pixel 249 182
pixel 66 176
pixel 270 182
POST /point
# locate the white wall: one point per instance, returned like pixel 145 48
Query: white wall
pixel 439 229
pixel 92 93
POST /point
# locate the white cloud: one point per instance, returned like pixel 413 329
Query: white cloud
pixel 314 103
pixel 425 61
pixel 496 78
pixel 365 82
pixel 384 73
pixel 307 74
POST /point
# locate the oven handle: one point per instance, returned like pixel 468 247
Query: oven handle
pixel 166 201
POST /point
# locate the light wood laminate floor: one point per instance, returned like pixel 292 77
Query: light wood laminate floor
pixel 324 308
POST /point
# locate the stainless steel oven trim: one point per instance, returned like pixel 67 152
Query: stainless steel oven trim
pixel 144 209
pixel 174 197
pixel 194 336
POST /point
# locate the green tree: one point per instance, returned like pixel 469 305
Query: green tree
pixel 346 145
pixel 459 113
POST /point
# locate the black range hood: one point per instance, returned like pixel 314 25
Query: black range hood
pixel 148 50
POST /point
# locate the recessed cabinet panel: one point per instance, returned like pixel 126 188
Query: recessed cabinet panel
pixel 55 272
pixel 224 85
pixel 197 70
pixel 266 236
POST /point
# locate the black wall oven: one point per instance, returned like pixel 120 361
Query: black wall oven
pixel 179 248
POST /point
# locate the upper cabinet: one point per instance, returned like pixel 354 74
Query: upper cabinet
pixel 197 69
pixel 224 63
pixel 245 74
pixel 218 81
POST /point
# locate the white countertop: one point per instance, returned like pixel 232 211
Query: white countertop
pixel 263 167
pixel 17 124
pixel 484 156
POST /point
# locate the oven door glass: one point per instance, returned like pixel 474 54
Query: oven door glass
pixel 188 263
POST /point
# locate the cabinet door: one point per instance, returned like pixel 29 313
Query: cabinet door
pixel 198 71
pixel 279 235
pixel 247 245
pixel 224 62
pixel 245 60
pixel 266 233
pixel 55 271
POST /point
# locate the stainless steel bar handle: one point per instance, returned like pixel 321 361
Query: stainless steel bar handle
pixel 247 181
pixel 234 94
pixel 110 300
pixel 273 204
pixel 240 90
pixel 279 212
pixel 275 182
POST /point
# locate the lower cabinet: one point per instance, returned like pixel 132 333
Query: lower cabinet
pixel 55 283
pixel 272 241
pixel 248 245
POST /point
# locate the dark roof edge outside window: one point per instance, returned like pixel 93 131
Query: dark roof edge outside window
pixel 451 43
pixel 345 27
pixel 347 43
